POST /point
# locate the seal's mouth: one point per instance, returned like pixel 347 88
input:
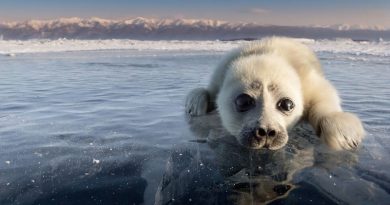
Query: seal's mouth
pixel 253 142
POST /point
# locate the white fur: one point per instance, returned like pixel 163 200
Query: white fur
pixel 269 70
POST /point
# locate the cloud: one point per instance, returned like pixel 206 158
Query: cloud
pixel 258 11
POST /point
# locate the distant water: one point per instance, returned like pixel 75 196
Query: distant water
pixel 107 127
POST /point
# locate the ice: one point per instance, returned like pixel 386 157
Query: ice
pixel 95 161
pixel 10 54
pixel 65 45
pixel 347 46
pixel 109 120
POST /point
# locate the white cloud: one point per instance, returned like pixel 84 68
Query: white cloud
pixel 258 11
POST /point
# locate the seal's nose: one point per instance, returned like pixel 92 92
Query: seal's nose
pixel 264 132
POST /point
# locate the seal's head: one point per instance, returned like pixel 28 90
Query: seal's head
pixel 260 100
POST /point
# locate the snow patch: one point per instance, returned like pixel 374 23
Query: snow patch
pixel 347 46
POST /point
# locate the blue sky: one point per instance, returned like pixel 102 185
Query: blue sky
pixel 280 12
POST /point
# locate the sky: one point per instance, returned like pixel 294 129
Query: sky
pixel 276 12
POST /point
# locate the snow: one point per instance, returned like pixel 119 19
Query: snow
pixel 150 28
pixel 13 47
pixel 61 22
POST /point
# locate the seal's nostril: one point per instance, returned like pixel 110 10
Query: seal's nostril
pixel 271 133
pixel 261 132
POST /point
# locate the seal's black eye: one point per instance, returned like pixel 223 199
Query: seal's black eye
pixel 244 102
pixel 285 105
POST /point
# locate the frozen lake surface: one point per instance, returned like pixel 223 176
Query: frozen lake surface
pixel 107 126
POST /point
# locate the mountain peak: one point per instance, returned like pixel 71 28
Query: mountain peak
pixel 150 28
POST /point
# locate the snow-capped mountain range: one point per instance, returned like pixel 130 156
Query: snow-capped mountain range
pixel 189 29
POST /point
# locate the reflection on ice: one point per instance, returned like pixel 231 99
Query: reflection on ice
pixel 220 171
